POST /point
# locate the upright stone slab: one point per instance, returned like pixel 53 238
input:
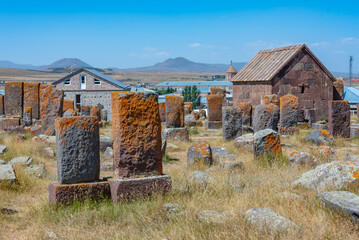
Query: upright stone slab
pixel 8 124
pixel 246 110
pixel 232 123
pixel 86 110
pixel 267 142
pixel 27 117
pixel 174 111
pixel 266 116
pixel 32 98
pixel 95 112
pixel 68 104
pixel 162 109
pixel 77 149
pixel 288 112
pixel 188 106
pixel 2 112
pixel 339 118
pixel 214 108
pixel 270 99
pixel 14 98
pixel 338 89
pixel 51 101
pixel 137 146
pixel 221 91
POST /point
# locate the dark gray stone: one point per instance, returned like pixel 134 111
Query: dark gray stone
pixel 104 114
pixel 78 149
pixel 189 120
pixel 320 137
pixel 105 142
pixel 288 118
pixel 266 116
pixel 343 202
pixel 267 141
pixel 231 122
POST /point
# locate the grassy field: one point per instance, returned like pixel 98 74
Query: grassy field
pixel 145 219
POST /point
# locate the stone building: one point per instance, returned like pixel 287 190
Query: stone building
pixel 230 73
pixel 89 87
pixel 288 70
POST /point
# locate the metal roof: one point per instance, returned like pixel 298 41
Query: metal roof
pixel 195 83
pixel 231 69
pixel 98 74
pixel 268 63
pixel 351 94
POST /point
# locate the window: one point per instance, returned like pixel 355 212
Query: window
pixel 67 82
pixel 302 90
pixel 97 82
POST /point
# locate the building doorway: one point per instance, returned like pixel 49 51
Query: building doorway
pixel 78 102
pixel 83 81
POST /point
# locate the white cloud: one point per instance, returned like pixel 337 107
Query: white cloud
pixel 195 45
pixel 320 44
pixel 149 49
pixel 350 41
pixel 162 53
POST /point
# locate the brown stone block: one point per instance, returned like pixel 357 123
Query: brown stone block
pixel 246 110
pixel 137 139
pixel 214 108
pixel 221 91
pixel 27 117
pixel 338 90
pixel 68 104
pixel 9 123
pixel 50 108
pixel 174 111
pixel 32 98
pixel 196 115
pixel 96 112
pixel 35 130
pixel 202 113
pixel 162 109
pixel 339 118
pixel 136 188
pixel 68 193
pixel 180 134
pixel 2 105
pixel 213 124
pixel 268 99
pixel 190 106
pixel 14 98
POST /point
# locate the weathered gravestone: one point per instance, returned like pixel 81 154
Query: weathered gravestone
pixel 266 116
pixel 246 110
pixel 96 112
pixel 32 97
pixel 78 161
pixel 68 104
pixel 2 105
pixel 270 99
pixel 137 146
pixel 339 118
pixel 221 91
pixel 288 114
pixel 27 117
pixel 51 108
pixel 232 123
pixel 267 142
pixel 14 98
pixel 188 108
pixel 214 108
pixel 175 119
pixel 162 109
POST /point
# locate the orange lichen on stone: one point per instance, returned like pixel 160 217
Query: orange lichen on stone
pixel 174 111
pixel 339 86
pixel 271 108
pixel 50 108
pixel 2 105
pixel 68 104
pixel 327 152
pixel 32 98
pixel 325 134
pixel 63 124
pixel 14 98
pixel 196 115
pixel 214 108
pixel 162 109
pixel 289 102
pixel 202 113
pixel 95 112
pixel 272 145
pixel 190 106
pixel 202 148
pixel 245 108
pixel 137 140
pixel 294 153
pixel 9 123
pixel 268 99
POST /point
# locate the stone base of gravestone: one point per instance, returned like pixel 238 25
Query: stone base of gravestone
pixel 289 130
pixel 7 124
pixel 213 124
pixel 68 193
pixel 176 134
pixel 135 188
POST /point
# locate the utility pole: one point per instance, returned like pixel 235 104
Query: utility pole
pixel 350 70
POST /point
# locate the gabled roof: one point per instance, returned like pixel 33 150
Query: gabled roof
pixel 268 63
pixel 195 83
pixel 351 94
pixel 231 69
pixel 95 74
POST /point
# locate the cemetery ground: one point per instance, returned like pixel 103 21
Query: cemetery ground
pixel 258 184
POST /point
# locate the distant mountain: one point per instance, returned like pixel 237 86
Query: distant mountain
pixel 181 64
pixel 8 64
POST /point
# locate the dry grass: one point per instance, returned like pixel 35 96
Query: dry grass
pixel 144 219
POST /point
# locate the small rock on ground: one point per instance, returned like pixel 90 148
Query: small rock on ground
pixel 3 149
pixel 212 217
pixel 199 178
pixel 173 210
pixel 36 170
pixel 21 161
pixel 49 152
pixel 7 173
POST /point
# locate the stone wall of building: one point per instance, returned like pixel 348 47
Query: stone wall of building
pixel 250 92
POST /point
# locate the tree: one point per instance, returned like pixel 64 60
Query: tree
pixel 192 94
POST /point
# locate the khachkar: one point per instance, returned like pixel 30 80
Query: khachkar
pixel 78 161
pixel 137 143
pixel 214 108
pixel 175 119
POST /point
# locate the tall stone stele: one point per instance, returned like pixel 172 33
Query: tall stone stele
pixel 339 118
pixel 137 146
pixel 232 123
pixel 175 119
pixel 214 108
pixel 78 161
pixel 288 114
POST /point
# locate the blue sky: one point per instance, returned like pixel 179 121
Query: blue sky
pixel 139 33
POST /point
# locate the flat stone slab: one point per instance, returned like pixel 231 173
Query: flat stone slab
pixel 180 134
pixel 144 187
pixel 7 173
pixel 343 202
pixel 3 149
pixel 67 193
pixel 213 124
pixel 21 161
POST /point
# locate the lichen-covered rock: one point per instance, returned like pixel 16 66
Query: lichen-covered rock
pixel 7 174
pixel 105 142
pixel 266 117
pixel 49 152
pixel 196 115
pixel 201 179
pixel 202 114
pixel 220 91
pixel 70 113
pixel 320 125
pixel 303 158
pixel 108 153
pixel 342 202
pixel 288 111
pixel 338 89
pixel 68 104
pixel 23 161
pixel 27 116
pixel 77 149
pixel 267 142
pixel 35 130
pixel 2 109
pixel 190 120
pixel 214 108
pixel 174 210
pixel 267 219
pixel 212 217
pixel 245 109
pixel 96 112
pixel 188 108
pixel 162 109
pixel 200 151
pixel 36 170
pixel 339 118
pixel 14 92
pixel 86 110
pixel 333 175
pixel 320 137
pixel 327 153
pixel 3 149
pixel 51 108
pixel 354 130
pixel 179 134
pixel 174 111
pixel 32 98
pixel 136 134
pixel 270 99
pixel 245 141
pixel 221 154
pixel 231 122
